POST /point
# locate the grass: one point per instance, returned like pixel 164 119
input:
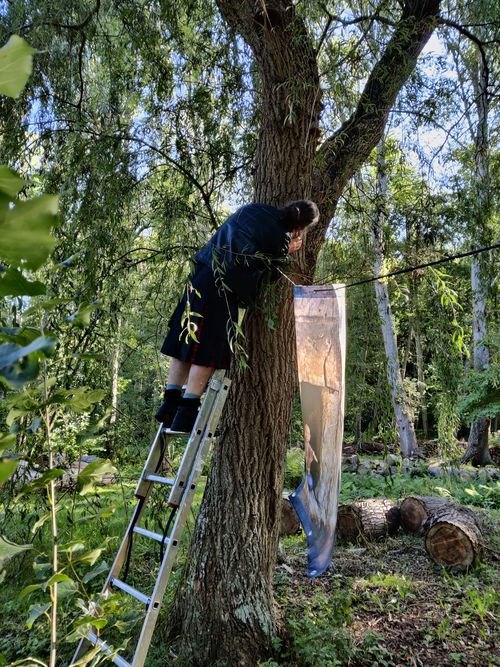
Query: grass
pixel 382 604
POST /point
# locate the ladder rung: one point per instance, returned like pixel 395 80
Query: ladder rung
pixel 149 533
pixel 129 589
pixel 167 431
pixel 161 480
pixel 105 648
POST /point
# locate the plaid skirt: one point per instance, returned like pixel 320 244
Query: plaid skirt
pixel 202 323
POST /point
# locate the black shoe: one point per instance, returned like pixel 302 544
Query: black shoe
pixel 171 401
pixel 186 414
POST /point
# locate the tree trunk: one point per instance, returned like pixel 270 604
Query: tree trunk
pixel 368 519
pixel 404 423
pixel 477 446
pixel 415 510
pixel 453 537
pixel 224 607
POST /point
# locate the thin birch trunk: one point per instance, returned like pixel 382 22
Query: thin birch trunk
pixel 404 424
pixel 477 446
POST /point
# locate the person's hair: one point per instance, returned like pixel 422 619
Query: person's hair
pixel 300 214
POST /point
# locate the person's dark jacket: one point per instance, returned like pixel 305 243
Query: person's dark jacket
pixel 244 251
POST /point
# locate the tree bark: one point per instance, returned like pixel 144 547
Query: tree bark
pixel 404 423
pixel 453 537
pixel 415 510
pixel 368 519
pixel 224 607
pixel 477 446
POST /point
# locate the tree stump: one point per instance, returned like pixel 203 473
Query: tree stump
pixel 415 511
pixel 453 537
pixel 369 519
pixel 289 523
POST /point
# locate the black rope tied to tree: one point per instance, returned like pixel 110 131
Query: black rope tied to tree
pixel 408 269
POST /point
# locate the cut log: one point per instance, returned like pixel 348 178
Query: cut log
pixel 372 518
pixel 453 537
pixel 415 511
pixel 290 524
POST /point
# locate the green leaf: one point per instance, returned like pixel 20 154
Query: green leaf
pixel 9 549
pixel 10 182
pixel 58 578
pixel 36 610
pixel 81 318
pixel 92 474
pixel 25 237
pixel 27 590
pixel 83 397
pixel 43 480
pixel 92 574
pixel 20 364
pixel 6 440
pixel 89 557
pixel 14 283
pixel 10 353
pixel 16 62
pixel 7 468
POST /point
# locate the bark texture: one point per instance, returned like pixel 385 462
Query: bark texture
pixel 368 519
pixel 415 510
pixel 453 537
pixel 224 608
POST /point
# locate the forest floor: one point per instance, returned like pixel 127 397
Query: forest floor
pixel 380 604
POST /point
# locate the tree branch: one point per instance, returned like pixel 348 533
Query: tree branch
pixel 344 152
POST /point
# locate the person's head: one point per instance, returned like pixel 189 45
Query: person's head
pixel 300 214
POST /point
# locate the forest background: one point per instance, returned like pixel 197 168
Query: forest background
pixel 144 119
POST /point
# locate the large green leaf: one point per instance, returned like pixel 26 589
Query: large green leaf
pixel 43 480
pixel 20 364
pixel 36 610
pixel 83 397
pixel 25 237
pixel 10 182
pixel 92 474
pixel 13 283
pixel 7 468
pixel 16 61
pixel 8 549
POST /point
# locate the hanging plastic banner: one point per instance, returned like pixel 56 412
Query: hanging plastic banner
pixel 320 322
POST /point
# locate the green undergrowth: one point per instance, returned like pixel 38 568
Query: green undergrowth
pixel 375 605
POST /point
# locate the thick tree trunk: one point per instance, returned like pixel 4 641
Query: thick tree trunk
pixel 477 446
pixel 453 537
pixel 404 423
pixel 415 510
pixel 224 607
pixel 368 519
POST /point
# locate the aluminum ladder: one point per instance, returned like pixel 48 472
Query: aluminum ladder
pixel 180 500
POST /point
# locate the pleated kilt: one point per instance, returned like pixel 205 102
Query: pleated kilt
pixel 209 310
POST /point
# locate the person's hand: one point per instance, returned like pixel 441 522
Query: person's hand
pixel 296 243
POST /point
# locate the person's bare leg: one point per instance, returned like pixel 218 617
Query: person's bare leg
pixel 178 372
pixel 198 379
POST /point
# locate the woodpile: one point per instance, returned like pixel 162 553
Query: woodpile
pixel 451 532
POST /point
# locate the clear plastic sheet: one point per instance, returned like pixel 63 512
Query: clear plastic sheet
pixel 320 321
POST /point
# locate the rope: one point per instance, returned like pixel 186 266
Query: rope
pixel 408 269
